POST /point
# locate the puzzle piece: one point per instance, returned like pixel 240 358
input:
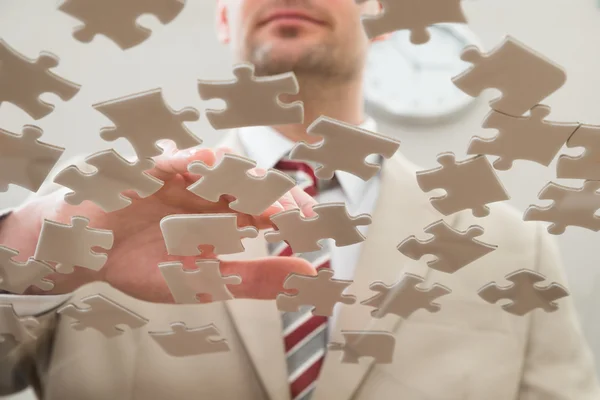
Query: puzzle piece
pixel 117 19
pixel 113 175
pixel 16 277
pixel 182 341
pixel 523 138
pixel 184 233
pixel 571 207
pixel 321 291
pixel 103 315
pixel 453 249
pixel 144 118
pixel 584 166
pixel 377 344
pixel 331 221
pixel 23 80
pixel 404 297
pixel 24 160
pixel 471 183
pixel 71 245
pixel 20 329
pixel 186 284
pixel 357 143
pixel 252 100
pixel 414 15
pixel 524 76
pixel 524 294
pixel 231 176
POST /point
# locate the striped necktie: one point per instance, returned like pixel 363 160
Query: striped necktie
pixel 305 335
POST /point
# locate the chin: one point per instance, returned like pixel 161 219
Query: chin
pixel 278 56
pixel 287 53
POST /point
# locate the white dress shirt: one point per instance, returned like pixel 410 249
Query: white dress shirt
pixel 267 146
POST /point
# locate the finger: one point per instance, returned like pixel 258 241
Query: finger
pixel 180 161
pixel 288 202
pixel 285 203
pixel 258 172
pixel 162 169
pixel 221 151
pixel 263 278
pixel 206 251
pixel 168 146
pixel 274 208
pixel 293 200
pixel 304 201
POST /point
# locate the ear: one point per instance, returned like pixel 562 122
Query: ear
pixel 222 22
pixel 381 38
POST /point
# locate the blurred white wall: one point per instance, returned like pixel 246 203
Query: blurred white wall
pixel 567 32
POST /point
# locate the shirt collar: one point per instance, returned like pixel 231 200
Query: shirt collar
pixel 266 146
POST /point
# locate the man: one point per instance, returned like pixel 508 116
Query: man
pixel 467 350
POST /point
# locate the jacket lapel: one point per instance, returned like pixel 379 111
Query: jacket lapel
pixel 402 209
pixel 258 322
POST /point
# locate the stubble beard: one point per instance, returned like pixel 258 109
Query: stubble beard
pixel 322 62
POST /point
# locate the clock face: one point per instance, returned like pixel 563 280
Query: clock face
pixel 415 81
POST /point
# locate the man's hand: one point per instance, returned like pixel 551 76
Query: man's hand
pixel 138 248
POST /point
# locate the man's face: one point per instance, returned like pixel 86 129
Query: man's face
pixel 310 37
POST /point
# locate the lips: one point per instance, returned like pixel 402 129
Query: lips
pixel 289 15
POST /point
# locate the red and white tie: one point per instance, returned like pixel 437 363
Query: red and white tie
pixel 305 335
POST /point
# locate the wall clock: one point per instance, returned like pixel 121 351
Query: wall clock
pixel 414 81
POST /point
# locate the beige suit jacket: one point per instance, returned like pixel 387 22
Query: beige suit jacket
pixel 468 350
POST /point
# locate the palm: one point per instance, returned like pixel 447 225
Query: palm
pixel 139 247
pixel 139 244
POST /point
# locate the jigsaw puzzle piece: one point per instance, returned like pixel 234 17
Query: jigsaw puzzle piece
pixel 23 80
pixel 21 329
pixel 252 100
pixel 321 291
pixel 16 277
pixel 182 341
pixel 71 245
pixel 357 143
pixel 584 166
pixel 524 293
pixel 144 118
pixel 524 76
pixel 571 207
pixel 404 297
pixel 376 344
pixel 413 15
pixel 452 249
pixel 186 284
pixel 254 194
pixel 113 175
pixel 117 19
pixel 24 160
pixel 184 233
pixel 103 315
pixel 331 221
pixel 522 138
pixel 469 184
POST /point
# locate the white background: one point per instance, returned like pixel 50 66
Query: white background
pixel 176 55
